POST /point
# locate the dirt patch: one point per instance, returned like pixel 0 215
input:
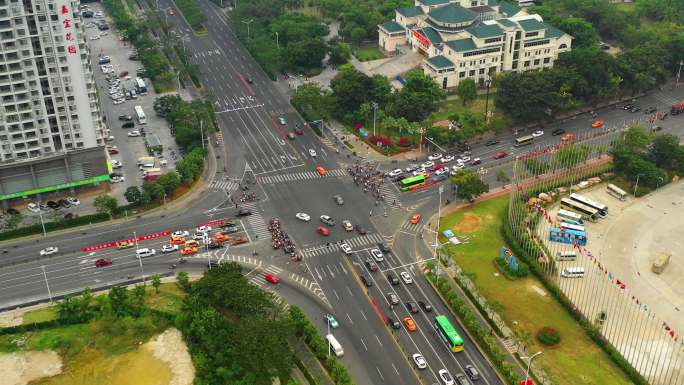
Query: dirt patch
pixel 22 368
pixel 469 224
pixel 11 319
pixel 170 348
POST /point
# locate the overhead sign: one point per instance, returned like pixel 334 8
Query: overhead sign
pixel 95 179
pixel 422 38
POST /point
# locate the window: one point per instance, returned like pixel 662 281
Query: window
pixel 462 74
pixel 536 62
pixel 482 71
pixel 536 43
pixel 471 73
pixel 530 34
pixel 493 40
pixel 547 60
pixel 527 63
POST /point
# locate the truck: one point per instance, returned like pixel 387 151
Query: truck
pixel 146 161
pixel 677 108
pixel 151 174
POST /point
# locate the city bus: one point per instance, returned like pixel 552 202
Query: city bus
pixel 677 108
pixel 571 226
pixel 569 217
pixel 448 334
pixel 617 192
pixel 568 236
pixel 142 119
pixel 523 140
pixel 590 213
pixel 412 182
pixel 602 209
pixel 334 345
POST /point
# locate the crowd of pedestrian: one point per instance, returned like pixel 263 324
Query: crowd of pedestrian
pixel 368 177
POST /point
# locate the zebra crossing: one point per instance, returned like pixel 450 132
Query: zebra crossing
pixel 258 278
pixel 407 226
pixel 389 192
pixel 256 221
pixel 356 242
pixel 227 185
pixel 304 175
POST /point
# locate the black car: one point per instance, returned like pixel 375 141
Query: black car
pixel 372 266
pixel 249 80
pixel 366 280
pixel 492 142
pixel 425 306
pixel 64 203
pixel 128 125
pixel 461 379
pixel 650 110
pixel 384 247
pixel 628 107
pixel 53 205
pixel 399 177
pixel 635 109
pixel 656 128
pixel 230 229
pixel 243 212
pixel 412 307
pixel 11 211
pixel 213 245
pixel 393 323
pixel 126 118
pixel 558 131
pixel 392 279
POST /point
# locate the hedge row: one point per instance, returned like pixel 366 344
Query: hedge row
pixel 308 333
pixel 483 337
pixel 522 272
pixel 305 371
pixel 558 294
pixel 192 13
pixel 52 226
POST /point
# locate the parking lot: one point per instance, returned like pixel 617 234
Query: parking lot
pixel 126 148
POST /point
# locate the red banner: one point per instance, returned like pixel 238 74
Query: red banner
pixel 212 223
pixel 130 240
pixel 422 38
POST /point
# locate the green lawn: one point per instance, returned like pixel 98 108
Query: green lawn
pixel 169 298
pixel 368 53
pixel 40 315
pixel 576 360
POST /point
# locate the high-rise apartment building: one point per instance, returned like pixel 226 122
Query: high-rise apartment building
pixel 51 131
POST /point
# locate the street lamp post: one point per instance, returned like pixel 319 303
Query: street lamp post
pixel 42 223
pixel 202 133
pixel 46 282
pixel 277 42
pixel 488 83
pixel 439 216
pixel 142 272
pixel 529 363
pixel 248 22
pixel 375 110
pixel 326 339
pixel 636 184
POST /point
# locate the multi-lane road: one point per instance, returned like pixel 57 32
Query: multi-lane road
pixel 252 146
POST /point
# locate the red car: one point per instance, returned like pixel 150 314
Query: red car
pixel 436 167
pixel 103 262
pixel 274 279
pixel 299 131
pixel 361 230
pixel 324 231
pixel 500 154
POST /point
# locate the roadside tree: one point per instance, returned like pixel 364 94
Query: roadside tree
pixel 169 181
pixel 106 204
pixel 467 90
pixel 469 185
pixel 133 195
pixel 156 282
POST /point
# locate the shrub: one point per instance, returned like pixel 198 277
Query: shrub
pixel 404 142
pixel 381 141
pixel 548 336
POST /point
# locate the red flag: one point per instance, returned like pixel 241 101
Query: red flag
pixel 617 282
pixel 672 333
pixel 550 221
pixel 667 327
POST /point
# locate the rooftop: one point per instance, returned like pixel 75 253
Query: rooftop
pixel 484 31
pixel 452 14
pixel 462 45
pixel 433 2
pixel 532 25
pixel 410 11
pixel 440 62
pixel 392 26
pixel 431 35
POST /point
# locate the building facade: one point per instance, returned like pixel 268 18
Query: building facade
pixel 473 39
pixel 49 106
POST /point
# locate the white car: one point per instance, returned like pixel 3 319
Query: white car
pixel 538 133
pixel 180 233
pixel 418 172
pixel 465 159
pixel 448 158
pixel 406 277
pixel 411 167
pixel 95 37
pixel 117 179
pixel 110 138
pixel 73 201
pixel 303 217
pixel 446 377
pixel 377 255
pixel 435 156
pixel 116 163
pixel 347 225
pixel 346 248
pixel 419 360
pixel 118 101
pixel 134 133
pixel 427 164
pixel 441 171
pixel 49 251
pixel 458 166
pixel 203 228
pixel 170 248
pixel 312 152
pixel 395 172
pixel 33 207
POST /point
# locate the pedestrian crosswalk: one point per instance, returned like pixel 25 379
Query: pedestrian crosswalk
pixel 407 226
pixel 258 277
pixel 356 243
pixel 389 193
pixel 296 176
pixel 227 185
pixel 327 142
pixel 256 222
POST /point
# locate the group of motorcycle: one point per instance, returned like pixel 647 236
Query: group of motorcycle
pixel 248 197
pixel 281 240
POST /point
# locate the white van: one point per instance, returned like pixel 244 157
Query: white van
pixel 145 252
pixel 566 255
pixel 334 345
pixel 573 272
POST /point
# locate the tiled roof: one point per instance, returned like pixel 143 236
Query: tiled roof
pixel 552 31
pixel 484 31
pixel 452 14
pixel 433 2
pixel 440 62
pixel 508 9
pixel 431 35
pixel 532 25
pixel 410 11
pixel 392 26
pixel 462 45
pixel 506 23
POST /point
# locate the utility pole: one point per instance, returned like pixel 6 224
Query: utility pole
pixel 277 42
pixel 40 213
pixel 142 272
pixel 636 184
pixel 375 109
pixel 202 133
pixel 488 83
pixel 46 282
pixel 248 22
pixel 679 71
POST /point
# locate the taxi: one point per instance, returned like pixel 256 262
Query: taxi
pixel 597 124
pixel 188 250
pixel 220 238
pixel 321 170
pixel 567 137
pixel 176 240
pixel 415 219
pixel 410 324
pixel 192 243
pixel 124 245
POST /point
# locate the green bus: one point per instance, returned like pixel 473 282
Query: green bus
pixel 448 334
pixel 412 182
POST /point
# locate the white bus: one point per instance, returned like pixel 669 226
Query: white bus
pixel 566 255
pixel 602 209
pixel 571 226
pixel 587 211
pixel 572 272
pixel 569 217
pixel 617 192
pixel 523 140
pixel 141 86
pixel 336 347
pixel 142 119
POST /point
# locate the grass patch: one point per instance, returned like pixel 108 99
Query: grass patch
pixel 169 298
pixel 368 53
pixel 576 360
pixel 40 315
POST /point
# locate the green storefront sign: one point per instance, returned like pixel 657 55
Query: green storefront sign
pixel 95 179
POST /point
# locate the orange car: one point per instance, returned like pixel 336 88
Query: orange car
pixel 220 238
pixel 597 124
pixel 321 170
pixel 410 324
pixel 567 137
pixel 176 240
pixel 188 250
pixel 415 219
pixel 124 244
pixel 192 243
